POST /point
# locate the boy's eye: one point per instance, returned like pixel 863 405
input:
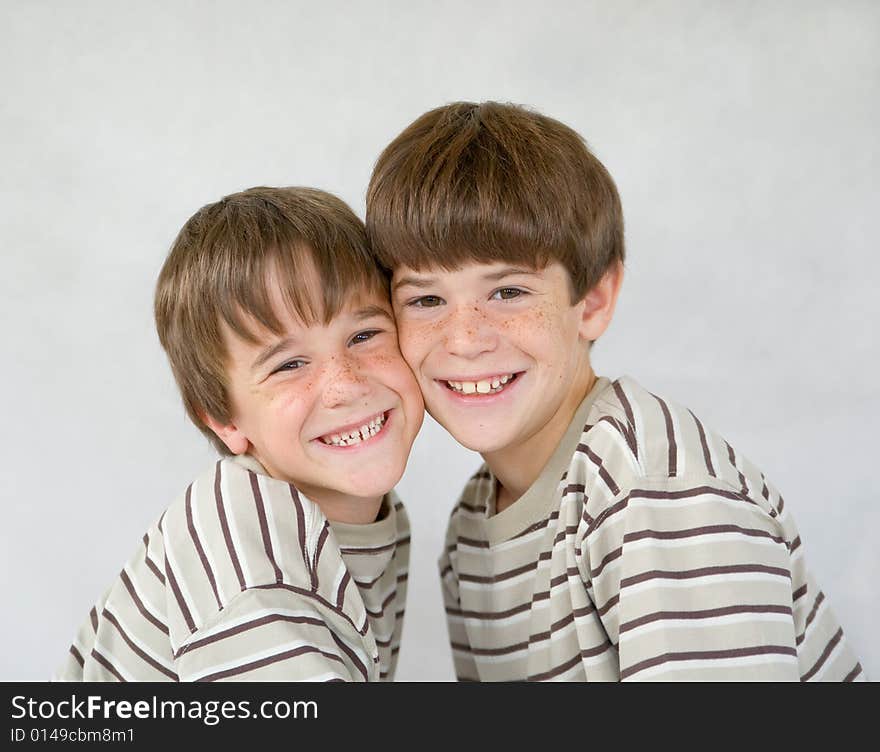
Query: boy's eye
pixel 290 365
pixel 426 301
pixel 507 293
pixel 364 336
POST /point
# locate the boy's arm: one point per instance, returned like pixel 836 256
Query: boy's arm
pixel 692 582
pixel 462 658
pixel 276 634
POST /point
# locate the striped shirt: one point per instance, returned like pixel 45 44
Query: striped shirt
pixel 243 578
pixel 648 549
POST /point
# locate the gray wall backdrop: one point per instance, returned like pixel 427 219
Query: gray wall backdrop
pixel 744 140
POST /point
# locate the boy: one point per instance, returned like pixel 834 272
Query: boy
pixel 287 560
pixel 609 534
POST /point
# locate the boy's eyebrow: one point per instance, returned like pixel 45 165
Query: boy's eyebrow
pixel 510 271
pixel 413 282
pixel 367 312
pixel 507 271
pixel 272 351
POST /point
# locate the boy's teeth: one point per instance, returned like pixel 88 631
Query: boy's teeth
pixel 485 386
pixel 366 431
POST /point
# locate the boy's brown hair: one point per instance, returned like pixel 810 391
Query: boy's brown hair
pixel 217 273
pixel 494 182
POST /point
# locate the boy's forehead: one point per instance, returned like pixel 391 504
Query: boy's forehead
pixel 291 305
pixel 308 289
pixel 488 270
pixel 357 306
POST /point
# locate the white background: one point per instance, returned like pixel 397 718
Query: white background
pixel 744 140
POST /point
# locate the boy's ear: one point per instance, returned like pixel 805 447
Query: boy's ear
pixel 599 303
pixel 230 434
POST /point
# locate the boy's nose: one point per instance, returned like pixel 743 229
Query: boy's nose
pixel 344 383
pixel 468 333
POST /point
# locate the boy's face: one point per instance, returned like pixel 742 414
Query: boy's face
pixel 499 351
pixel 333 408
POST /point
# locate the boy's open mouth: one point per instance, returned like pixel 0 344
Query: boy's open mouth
pixel 488 385
pixel 357 434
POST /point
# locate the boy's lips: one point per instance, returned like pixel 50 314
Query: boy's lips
pixel 356 433
pixel 477 388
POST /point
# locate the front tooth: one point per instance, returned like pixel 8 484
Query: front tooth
pixel 468 387
pixel 483 387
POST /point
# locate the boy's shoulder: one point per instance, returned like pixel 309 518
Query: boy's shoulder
pixel 235 529
pixel 640 436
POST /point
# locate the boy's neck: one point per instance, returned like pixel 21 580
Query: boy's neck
pixel 335 506
pixel 517 467
pixel 353 510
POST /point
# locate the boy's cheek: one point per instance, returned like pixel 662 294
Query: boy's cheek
pixel 413 361
pixel 404 352
pixel 380 360
pixel 418 336
pixel 287 398
pixel 391 368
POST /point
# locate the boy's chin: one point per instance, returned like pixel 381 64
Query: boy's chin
pixel 371 486
pixel 478 438
pixel 473 440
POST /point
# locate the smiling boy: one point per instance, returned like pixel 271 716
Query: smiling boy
pixel 287 560
pixel 609 534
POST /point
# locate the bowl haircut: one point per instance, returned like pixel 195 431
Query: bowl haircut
pixel 491 182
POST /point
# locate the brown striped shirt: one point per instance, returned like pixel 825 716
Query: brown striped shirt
pixel 243 578
pixel 648 549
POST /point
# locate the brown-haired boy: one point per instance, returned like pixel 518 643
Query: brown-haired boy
pixel 287 560
pixel 609 534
